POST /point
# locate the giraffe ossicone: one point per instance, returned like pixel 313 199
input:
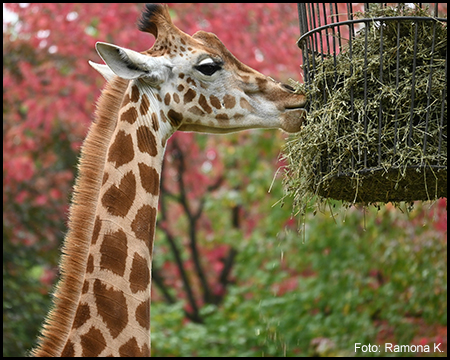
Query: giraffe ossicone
pixel 187 83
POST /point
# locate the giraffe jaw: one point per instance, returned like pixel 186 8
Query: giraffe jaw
pixel 214 130
pixel 290 121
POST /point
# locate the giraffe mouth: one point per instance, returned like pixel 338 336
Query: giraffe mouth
pixel 212 129
pixel 293 107
pixel 296 107
pixel 295 102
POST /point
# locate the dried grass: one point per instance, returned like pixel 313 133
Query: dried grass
pixel 350 150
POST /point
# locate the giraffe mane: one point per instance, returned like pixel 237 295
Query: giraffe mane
pixel 81 221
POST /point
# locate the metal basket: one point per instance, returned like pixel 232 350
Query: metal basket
pixel 327 30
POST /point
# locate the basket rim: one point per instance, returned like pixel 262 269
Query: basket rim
pixel 367 20
pixel 386 169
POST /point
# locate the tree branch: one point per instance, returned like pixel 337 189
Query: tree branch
pixel 159 281
pixel 195 316
pixel 207 294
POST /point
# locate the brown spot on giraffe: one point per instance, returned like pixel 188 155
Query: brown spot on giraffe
pixel 121 151
pixel 175 118
pixel 149 178
pixel 229 101
pixel 105 178
pixel 222 117
pixel 126 100
pixel 145 105
pixel 146 141
pixel 132 349
pixel 196 111
pixel 114 252
pixel 85 288
pixel 97 227
pixel 140 274
pixel 69 349
pixel 245 104
pixel 111 306
pixel 90 264
pixel 189 96
pixel 134 93
pixel 82 315
pixel 143 314
pixel 130 115
pixel 215 101
pixel 118 200
pixel 204 104
pixel 167 99
pixel 155 123
pixel 143 224
pixel 261 82
pixel 163 116
pixel 92 343
pixel 164 140
pixel 191 81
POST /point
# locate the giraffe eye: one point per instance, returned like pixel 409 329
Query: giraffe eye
pixel 208 67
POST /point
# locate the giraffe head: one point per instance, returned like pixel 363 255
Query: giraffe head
pixel 198 84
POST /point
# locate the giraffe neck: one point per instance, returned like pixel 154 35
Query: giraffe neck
pixel 102 304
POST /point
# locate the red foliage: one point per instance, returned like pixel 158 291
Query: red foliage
pixel 50 92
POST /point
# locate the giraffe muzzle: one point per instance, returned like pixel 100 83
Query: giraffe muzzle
pixel 292 119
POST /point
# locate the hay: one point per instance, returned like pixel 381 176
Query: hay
pixel 346 150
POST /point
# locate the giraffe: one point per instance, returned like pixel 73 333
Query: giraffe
pixel 102 301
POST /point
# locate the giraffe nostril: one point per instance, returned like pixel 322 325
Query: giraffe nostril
pixel 288 87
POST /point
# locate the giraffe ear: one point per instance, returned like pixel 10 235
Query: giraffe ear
pixel 106 72
pixel 129 64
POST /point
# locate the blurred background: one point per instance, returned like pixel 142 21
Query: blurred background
pixel 232 274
